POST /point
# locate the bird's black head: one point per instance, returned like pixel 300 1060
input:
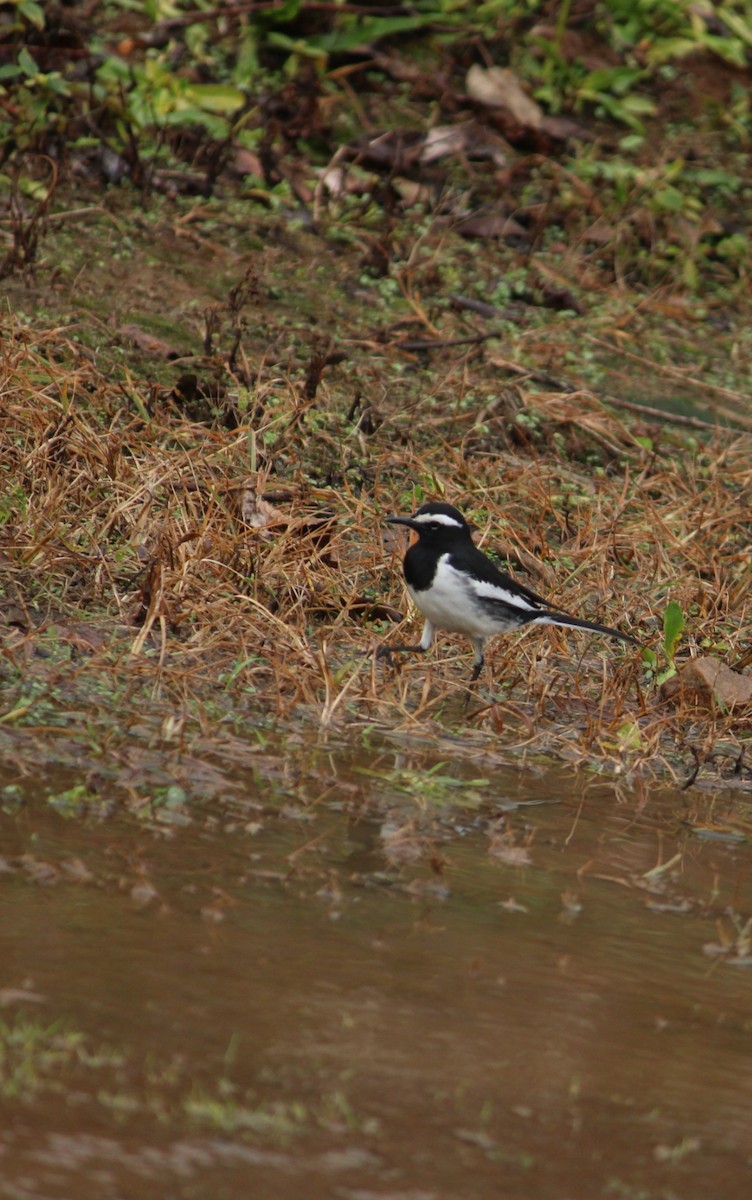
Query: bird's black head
pixel 436 524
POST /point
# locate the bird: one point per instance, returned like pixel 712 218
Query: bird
pixel 459 589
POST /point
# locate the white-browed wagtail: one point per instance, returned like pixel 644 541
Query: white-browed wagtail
pixel 460 590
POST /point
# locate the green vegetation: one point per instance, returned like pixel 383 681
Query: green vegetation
pixel 168 95
pixel 435 787
pixel 40 1059
pixel 673 626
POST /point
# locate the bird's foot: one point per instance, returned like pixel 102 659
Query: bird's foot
pixel 386 652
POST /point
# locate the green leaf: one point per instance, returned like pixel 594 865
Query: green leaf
pixel 673 624
pixel 27 64
pixel 669 199
pixel 360 33
pixel 611 79
pixel 690 274
pixel 629 736
pixel 714 177
pixel 631 142
pixel 639 104
pixel 618 110
pixel 666 49
pixel 220 98
pixel 280 41
pixel 729 49
pixel 32 13
pixel 737 25
pixel 664 675
pixel 732 247
pixel 287 11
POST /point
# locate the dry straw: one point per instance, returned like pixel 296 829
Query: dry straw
pixel 162 549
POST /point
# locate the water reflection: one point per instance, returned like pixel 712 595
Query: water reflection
pixel 454 1022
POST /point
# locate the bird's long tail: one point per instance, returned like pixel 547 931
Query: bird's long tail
pixel 557 618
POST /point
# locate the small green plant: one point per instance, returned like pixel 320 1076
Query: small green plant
pixel 35 102
pixel 74 801
pixel 34 1055
pixel 431 786
pixel 152 96
pixel 673 626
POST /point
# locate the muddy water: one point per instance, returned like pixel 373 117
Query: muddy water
pixel 383 1003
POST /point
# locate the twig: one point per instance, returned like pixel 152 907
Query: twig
pixel 669 418
pixel 665 369
pixel 442 343
pixel 647 410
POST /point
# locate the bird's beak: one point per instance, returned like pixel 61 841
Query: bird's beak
pixel 409 521
pixel 411 524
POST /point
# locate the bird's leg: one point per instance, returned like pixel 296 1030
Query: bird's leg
pixel 477 668
pixel 479 659
pixel 423 645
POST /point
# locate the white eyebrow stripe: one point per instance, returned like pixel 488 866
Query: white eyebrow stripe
pixel 492 591
pixel 438 518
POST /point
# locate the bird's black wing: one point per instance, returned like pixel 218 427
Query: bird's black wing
pixel 486 571
pixel 501 595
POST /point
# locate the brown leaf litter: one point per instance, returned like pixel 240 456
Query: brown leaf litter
pixel 135 543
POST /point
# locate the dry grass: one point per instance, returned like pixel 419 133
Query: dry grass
pixel 170 552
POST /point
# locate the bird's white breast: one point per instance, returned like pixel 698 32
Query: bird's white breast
pixel 452 603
